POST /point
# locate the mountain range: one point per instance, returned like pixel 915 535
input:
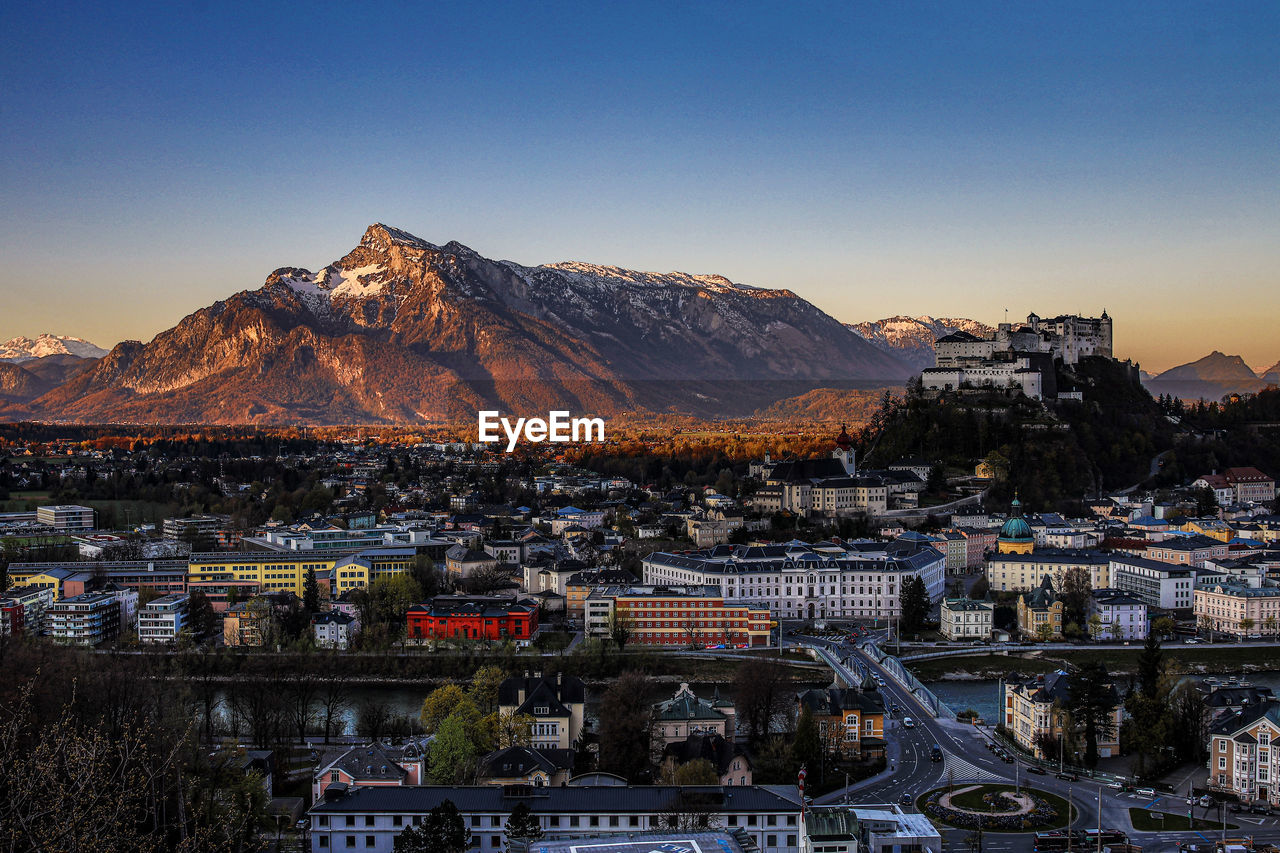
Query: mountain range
pixel 911 339
pixel 400 330
pixel 1211 378
pixel 22 349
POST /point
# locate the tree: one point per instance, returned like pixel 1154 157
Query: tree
pixel 438 705
pixel 335 698
pixel 1151 667
pixel 1163 627
pixel 915 603
pixel 443 831
pixel 1093 701
pixel 1045 631
pixel 452 753
pixel 1095 626
pixel 980 588
pixel 806 749
pixel 700 771
pixel 1246 625
pixel 620 629
pixel 1270 624
pixel 200 613
pixel 311 592
pixel 1076 587
pixel 522 824
pixel 624 726
pixel 507 728
pixel 760 689
pixel 484 687
pixel 1205 624
pixel 937 481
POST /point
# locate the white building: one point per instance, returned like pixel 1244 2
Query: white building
pixel 965 619
pixel 799 580
pixel 67 517
pixel 333 630
pixel 1122 616
pixel 162 619
pixel 1157 584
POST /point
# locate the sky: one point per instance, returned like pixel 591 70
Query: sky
pixel 951 159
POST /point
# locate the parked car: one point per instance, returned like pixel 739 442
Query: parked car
pixel 1006 757
pixel 1259 808
pixel 1191 641
pixel 1150 793
pixel 1117 785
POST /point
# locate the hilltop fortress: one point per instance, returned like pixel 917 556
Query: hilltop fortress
pixel 1018 357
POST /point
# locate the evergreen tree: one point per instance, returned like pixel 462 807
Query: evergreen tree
pixel 443 831
pixel 1151 667
pixel 200 613
pixel 1093 700
pixel 523 824
pixel 915 603
pixel 311 592
pixel 806 749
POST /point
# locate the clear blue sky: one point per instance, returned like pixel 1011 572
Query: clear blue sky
pixel 880 158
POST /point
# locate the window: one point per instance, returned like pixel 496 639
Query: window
pixel 370 841
pixel 351 820
pixel 368 820
pixel 397 821
pixel 633 821
pixel 1222 762
pixel 351 841
pixel 324 840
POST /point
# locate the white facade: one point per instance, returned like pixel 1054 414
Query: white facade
pixel 1157 584
pixel 794 580
pixel 963 619
pixel 1121 616
pixel 67 517
pixel 162 619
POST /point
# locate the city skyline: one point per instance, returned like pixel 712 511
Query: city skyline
pixel 919 160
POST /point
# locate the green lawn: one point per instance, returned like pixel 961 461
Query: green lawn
pixel 1145 821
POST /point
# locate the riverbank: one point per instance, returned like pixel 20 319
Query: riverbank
pixel 1220 659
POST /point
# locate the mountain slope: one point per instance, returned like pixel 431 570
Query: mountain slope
pixel 18 385
pixel 1271 375
pixel 401 330
pixel 1210 378
pixel 22 349
pixel 911 338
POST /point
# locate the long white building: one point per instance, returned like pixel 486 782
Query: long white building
pixel 799 580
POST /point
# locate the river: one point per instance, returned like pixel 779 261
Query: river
pixel 983 694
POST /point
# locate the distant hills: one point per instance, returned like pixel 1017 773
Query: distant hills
pixel 1211 378
pixel 400 330
pixel 911 339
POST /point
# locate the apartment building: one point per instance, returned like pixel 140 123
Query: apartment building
pixel 1243 758
pixel 1009 572
pixel 1235 608
pixel 1157 584
pixel 557 704
pixel 89 619
pixel 26 606
pixel 163 619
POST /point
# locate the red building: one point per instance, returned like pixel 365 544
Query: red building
pixel 472 618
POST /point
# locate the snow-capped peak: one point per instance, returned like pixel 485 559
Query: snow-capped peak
pixel 23 348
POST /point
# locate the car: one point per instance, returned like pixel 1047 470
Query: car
pixel 1007 758
pixel 1206 802
pixel 1039 771
pixel 1116 785
pixel 905 800
pixel 991 745
pixel 908 723
pixel 936 753
pixel 1068 777
pixel 302 824
pixel 1259 808
pixel 1192 641
pixel 1149 793
pixel 1255 636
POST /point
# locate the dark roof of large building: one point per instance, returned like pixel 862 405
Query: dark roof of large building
pixel 714 748
pixel 804 470
pixel 501 799
pixel 462 606
pixel 568 690
pixel 520 761
pixel 687 706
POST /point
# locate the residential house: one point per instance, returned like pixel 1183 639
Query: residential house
pixel 731 763
pixel 556 702
pixel 966 619
pixel 524 765
pixel 1040 612
pixel 333 630
pixel 1121 616
pixel 850 720
pixel 683 715
pixel 1035 713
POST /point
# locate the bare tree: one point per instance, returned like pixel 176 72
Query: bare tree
pixel 335 699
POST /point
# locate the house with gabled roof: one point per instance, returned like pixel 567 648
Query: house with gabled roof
pixel 369 765
pixel 684 715
pixel 556 702
pixel 850 720
pixel 525 765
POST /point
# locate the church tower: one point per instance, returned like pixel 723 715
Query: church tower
pixel 844 452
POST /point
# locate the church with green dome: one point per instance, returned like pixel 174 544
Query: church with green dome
pixel 1016 536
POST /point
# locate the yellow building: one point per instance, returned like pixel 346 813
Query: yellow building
pixel 247 623
pixel 1040 613
pixel 1211 527
pixel 1034 714
pixel 277 571
pixel 850 721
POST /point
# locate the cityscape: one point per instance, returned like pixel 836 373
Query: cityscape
pixel 362 488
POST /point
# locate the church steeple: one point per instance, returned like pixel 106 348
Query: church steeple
pixel 844 451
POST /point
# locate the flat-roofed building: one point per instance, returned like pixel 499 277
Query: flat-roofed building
pixel 89 619
pixel 67 517
pixel 162 619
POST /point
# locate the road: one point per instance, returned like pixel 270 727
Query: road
pixel 967 758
